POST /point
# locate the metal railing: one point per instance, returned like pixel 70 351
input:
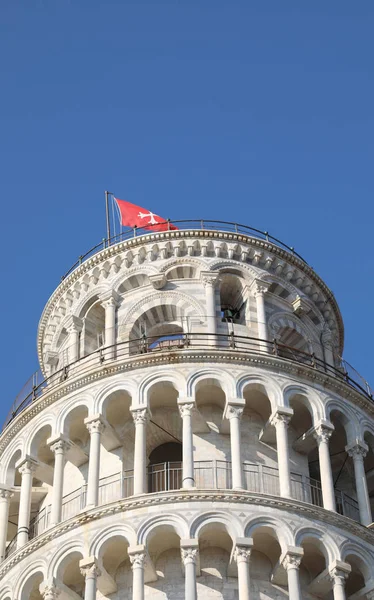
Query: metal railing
pixel 183 225
pixel 178 343
pixel 209 475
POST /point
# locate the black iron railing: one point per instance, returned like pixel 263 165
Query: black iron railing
pixel 195 224
pixel 36 385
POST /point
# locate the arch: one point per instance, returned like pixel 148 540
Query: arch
pixel 183 304
pixel 364 557
pixel 176 522
pixel 37 566
pixel 348 417
pixel 281 529
pixel 115 386
pixel 361 573
pixel 8 463
pixel 230 522
pixel 119 530
pixel 328 544
pixel 176 379
pixel 225 380
pixel 249 273
pixel 7 591
pixel 89 298
pixel 133 282
pixel 285 320
pixel 188 265
pixel 35 435
pixel 75 546
pixel 127 273
pixel 75 402
pixel 307 397
pixel 273 389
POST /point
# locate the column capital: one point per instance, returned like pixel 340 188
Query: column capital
pixel 281 416
pixel 234 408
pixel 243 549
pixel 292 558
pixel 189 551
pixel 95 424
pixel 73 323
pixel 137 556
pixel 89 567
pixel 259 288
pixel 27 465
pixel 140 416
pixel 110 298
pixel 5 492
pixel 322 432
pixel 59 444
pixel 357 450
pixel 186 408
pixel 209 278
pixel 49 590
pixel 339 571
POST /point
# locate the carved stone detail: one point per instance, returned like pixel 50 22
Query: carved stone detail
pixel 322 434
pixel 140 416
pixel 291 561
pixel 189 555
pixel 186 409
pixel 242 554
pixel 96 426
pixel 138 560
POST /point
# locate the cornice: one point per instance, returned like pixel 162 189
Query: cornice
pixel 190 356
pixel 153 238
pixel 179 497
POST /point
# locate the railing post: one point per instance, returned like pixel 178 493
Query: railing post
pixel 166 477
pixel 275 347
pixel 214 466
pixel 261 478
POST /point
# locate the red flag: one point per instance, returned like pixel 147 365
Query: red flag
pixel 136 216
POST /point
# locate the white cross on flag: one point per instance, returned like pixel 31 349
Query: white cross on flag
pixel 136 216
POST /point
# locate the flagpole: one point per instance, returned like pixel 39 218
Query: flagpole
pixel 107 216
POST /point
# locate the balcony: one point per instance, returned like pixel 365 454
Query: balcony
pixel 179 343
pixel 209 475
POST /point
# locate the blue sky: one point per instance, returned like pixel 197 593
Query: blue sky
pixel 256 112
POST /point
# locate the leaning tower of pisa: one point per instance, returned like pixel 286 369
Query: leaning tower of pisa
pixel 194 432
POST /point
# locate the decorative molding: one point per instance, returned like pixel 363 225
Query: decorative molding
pixel 229 357
pixel 309 511
pixel 251 242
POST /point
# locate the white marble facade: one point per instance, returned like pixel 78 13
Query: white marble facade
pixel 197 435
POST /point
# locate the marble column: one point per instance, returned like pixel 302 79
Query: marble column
pixel 26 467
pixel 291 563
pixel 234 413
pixel 209 279
pixel 259 290
pixel 140 417
pixel 242 556
pixel 90 571
pixel 95 426
pixel 5 496
pixel 358 452
pixel 137 557
pixel 59 446
pixel 110 302
pixel 189 555
pixel 339 573
pixel 281 420
pixel 322 434
pixel 185 409
pixel 74 326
